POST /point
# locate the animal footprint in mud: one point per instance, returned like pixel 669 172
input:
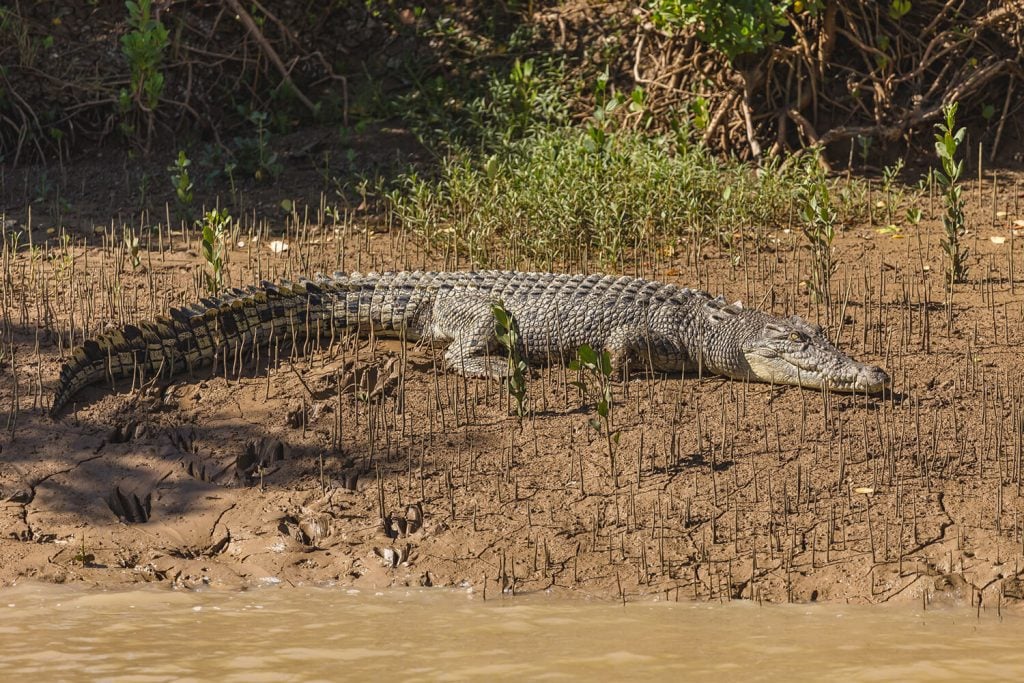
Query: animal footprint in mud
pixel 349 478
pixel 199 468
pixel 397 526
pixel 298 416
pixel 129 431
pixel 391 557
pixel 128 507
pixel 309 528
pixel 313 529
pixel 183 437
pixel 257 459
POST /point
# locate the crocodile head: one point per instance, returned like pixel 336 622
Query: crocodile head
pixel 793 351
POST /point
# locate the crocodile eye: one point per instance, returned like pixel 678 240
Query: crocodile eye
pixel 795 336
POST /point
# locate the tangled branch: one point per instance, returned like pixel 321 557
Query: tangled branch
pixel 851 71
pixel 57 94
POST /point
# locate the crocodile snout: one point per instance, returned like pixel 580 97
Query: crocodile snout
pixel 871 380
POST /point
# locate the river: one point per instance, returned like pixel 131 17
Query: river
pixel 50 633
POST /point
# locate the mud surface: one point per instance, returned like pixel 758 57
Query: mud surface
pixel 359 462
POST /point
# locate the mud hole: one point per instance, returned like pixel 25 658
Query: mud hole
pixel 359 463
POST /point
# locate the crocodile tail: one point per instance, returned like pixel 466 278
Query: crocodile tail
pixel 86 366
pixel 192 337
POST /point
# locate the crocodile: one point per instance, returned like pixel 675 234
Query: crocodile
pixel 659 326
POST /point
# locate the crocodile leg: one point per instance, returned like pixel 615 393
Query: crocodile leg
pixel 467 320
pixel 644 349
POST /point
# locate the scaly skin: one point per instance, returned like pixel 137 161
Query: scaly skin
pixel 653 325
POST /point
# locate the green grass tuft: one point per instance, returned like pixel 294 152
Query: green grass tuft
pixel 552 195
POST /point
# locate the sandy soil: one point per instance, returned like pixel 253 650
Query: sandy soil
pixel 359 463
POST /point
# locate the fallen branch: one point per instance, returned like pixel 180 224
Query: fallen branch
pixel 268 50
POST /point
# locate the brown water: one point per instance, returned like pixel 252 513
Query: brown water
pixel 306 634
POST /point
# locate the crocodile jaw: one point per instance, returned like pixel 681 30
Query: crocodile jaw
pixel 845 376
pixel 793 351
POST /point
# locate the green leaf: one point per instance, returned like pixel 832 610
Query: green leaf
pixel 638 100
pixel 587 355
pixel 898 9
pixel 491 167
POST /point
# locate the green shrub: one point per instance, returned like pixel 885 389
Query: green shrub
pixel 144 48
pixel 215 226
pixel 947 140
pixel 556 193
pixel 506 106
pixel 733 27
